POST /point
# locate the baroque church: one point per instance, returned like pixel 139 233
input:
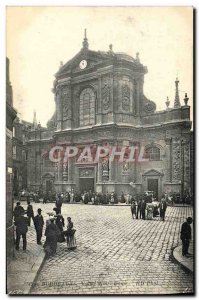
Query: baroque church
pixel 100 101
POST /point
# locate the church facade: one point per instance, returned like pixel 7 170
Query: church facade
pixel 100 101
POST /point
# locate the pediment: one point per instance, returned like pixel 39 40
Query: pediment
pixel 92 58
pixel 152 172
pixel 48 175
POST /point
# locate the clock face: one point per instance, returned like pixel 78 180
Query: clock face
pixel 83 64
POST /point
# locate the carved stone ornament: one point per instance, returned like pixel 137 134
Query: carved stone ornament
pixel 86 172
pixel 105 167
pixel 66 103
pixel 125 166
pixel 149 107
pixel 176 160
pixel 106 97
pixel 126 97
pixel 105 164
pixel 65 172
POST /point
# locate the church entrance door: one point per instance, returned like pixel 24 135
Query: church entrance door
pixel 49 186
pixel 153 186
pixel 86 184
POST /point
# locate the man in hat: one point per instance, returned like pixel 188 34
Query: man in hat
pixel 185 236
pixel 133 209
pixel 163 207
pixel 39 223
pixel 143 208
pixel 30 213
pixel 58 203
pixel 21 224
pixel 18 210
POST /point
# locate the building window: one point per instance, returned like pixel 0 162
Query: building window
pixel 14 152
pixel 13 131
pixel 24 155
pixel 23 138
pixel 153 153
pixel 87 107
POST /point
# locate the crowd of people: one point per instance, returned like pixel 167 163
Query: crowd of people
pixel 142 207
pixel 75 196
pixel 146 209
pixel 54 231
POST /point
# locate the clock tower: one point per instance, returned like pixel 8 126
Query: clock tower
pixel 100 87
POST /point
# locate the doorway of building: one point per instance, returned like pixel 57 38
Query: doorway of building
pixel 86 184
pixel 153 186
pixel 49 185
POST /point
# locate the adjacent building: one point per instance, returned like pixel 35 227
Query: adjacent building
pixel 10 116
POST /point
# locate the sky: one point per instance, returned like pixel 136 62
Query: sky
pixel 38 38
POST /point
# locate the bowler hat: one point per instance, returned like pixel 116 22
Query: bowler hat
pixel 189 220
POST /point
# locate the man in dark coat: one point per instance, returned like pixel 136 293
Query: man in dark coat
pixel 30 213
pixel 143 208
pixel 108 197
pixel 122 198
pixel 138 213
pixel 86 197
pixel 133 209
pixel 185 236
pixel 163 207
pixel 59 204
pixel 39 223
pixel 18 210
pixel 21 224
pixel 104 198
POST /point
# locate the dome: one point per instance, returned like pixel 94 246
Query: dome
pixel 123 55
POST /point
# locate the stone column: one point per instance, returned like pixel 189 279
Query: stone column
pixel 56 171
pixel 168 160
pixel 59 171
pixel 65 172
pixel 99 102
pixel 186 165
pixel 70 170
pixel 176 160
pixel 67 107
pixel 112 171
pixel 99 172
pixel 136 93
pixel 112 165
pixel 112 90
pixel 59 109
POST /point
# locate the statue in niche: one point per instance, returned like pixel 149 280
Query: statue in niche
pixel 126 98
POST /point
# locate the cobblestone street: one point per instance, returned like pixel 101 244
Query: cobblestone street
pixel 116 254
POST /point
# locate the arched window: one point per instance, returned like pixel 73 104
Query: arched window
pixel 87 107
pixel 153 153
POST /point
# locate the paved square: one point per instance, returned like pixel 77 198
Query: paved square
pixel 116 254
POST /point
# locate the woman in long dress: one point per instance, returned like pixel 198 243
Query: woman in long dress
pixel 70 235
pixel 59 221
pixel 52 234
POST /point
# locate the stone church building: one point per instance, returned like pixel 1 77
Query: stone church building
pixel 100 101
